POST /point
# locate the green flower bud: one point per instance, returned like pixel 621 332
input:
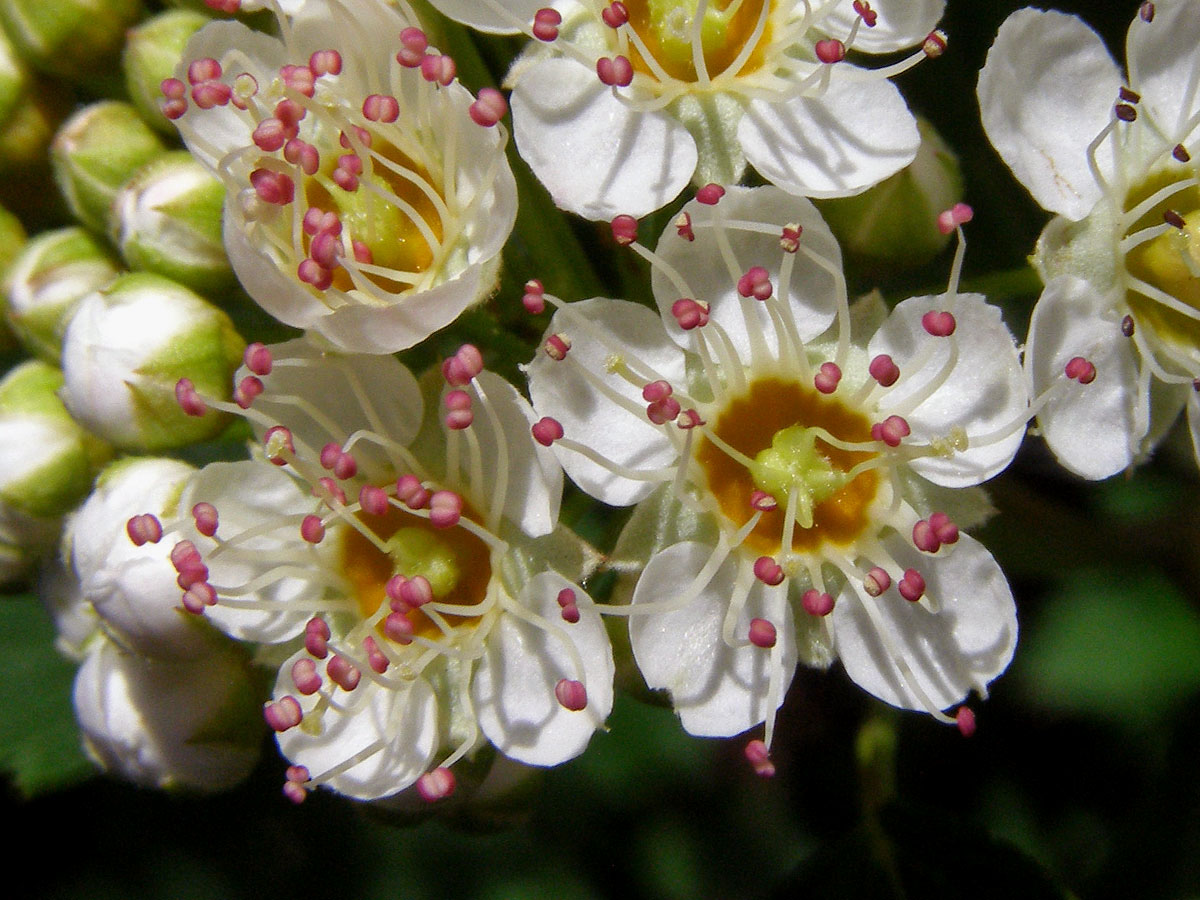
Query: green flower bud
pixel 126 350
pixel 167 219
pixel 26 133
pixel 74 39
pixel 15 78
pixel 152 51
pixel 47 461
pixel 95 152
pixel 47 280
pixel 894 223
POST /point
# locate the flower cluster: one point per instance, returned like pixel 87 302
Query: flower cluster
pixel 324 535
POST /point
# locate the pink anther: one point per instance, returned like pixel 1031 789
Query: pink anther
pixel 283 714
pixel 330 491
pixel 755 283
pixel 411 492
pixel 325 62
pixel 944 528
pixel 1181 154
pixel 204 69
pixel 399 628
pixel 373 500
pixel 660 412
pixel 939 323
pixel 303 154
pixel 459 414
pixel 1081 370
pixel 891 431
pixel 144 529
pixel 965 720
pixel 314 274
pixel 211 94
pixel 438 69
pixel 624 230
pixel 762 633
pixel 768 571
pixel 789 238
pixel 571 694
pixel 247 389
pixel 865 12
pixel 174 109
pixel 445 509
pixel 278 445
pixel 884 370
pixel 187 398
pixel 615 14
pixel 273 187
pixel 312 529
pixel 816 603
pixel 546 431
pixel 759 758
pixel 690 313
pixel 710 194
pixel 616 71
pixel 173 88
pixel 912 585
pixel 827 378
pixel 950 219
pixel 925 537
pixel 300 79
pixel 342 672
pixel 545 24
pixel 257 358
pixel 657 390
pixel 184 556
pixel 762 501
pixel 381 108
pixel 463 366
pixel 934 44
pixel 689 419
pixel 489 108
pixel 557 346
pixel 830 50
pixel 305 676
pixel 316 637
pixel 534 298
pixel 270 135
pixel 436 785
pixel 877 581
pixel 205 516
pixel 376 658
pixel 198 596
pixel 413 44
pixel 415 592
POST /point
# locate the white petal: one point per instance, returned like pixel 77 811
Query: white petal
pixel 251 495
pixel 1163 65
pixel 1094 429
pixel 487 17
pixel 393 726
pixel 901 23
pixel 1046 91
pixel 350 392
pixel 600 330
pixel 534 477
pixel 833 143
pixel 983 392
pixel 597 157
pixel 513 687
pixel 711 277
pixel 963 646
pixel 717 690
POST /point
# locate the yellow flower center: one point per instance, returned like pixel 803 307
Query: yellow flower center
pixel 668 28
pixel 456 563
pixel 1169 262
pixel 774 424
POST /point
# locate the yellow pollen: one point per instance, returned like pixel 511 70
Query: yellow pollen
pixel 666 27
pixel 1169 262
pixel 773 425
pixel 456 563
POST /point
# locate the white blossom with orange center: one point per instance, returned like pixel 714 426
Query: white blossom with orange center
pixel 367 192
pixel 1112 154
pixel 404 554
pixel 617 106
pixel 799 486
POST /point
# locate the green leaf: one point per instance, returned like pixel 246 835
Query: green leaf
pixel 39 741
pixel 1113 645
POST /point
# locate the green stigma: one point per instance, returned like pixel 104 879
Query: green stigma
pixel 673 22
pixel 792 464
pixel 418 551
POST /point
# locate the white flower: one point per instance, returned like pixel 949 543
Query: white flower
pixel 416 568
pixel 1112 157
pixel 626 103
pixel 792 488
pixel 186 724
pixel 363 200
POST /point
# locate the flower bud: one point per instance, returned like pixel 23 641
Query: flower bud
pixel 78 40
pixel 134 588
pixel 47 461
pixel 95 152
pixel 894 223
pixel 167 219
pixel 152 50
pixel 75 620
pixel 186 724
pixel 26 133
pixel 15 78
pixel 126 350
pixel 47 280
